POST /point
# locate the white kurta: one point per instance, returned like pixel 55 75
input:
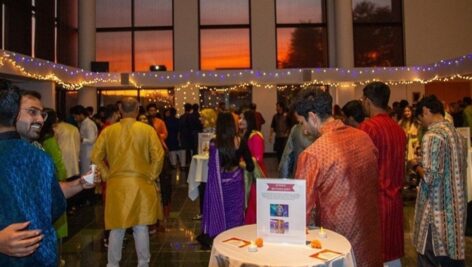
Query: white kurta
pixel 68 138
pixel 88 133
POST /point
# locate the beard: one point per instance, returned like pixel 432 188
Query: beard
pixel 29 131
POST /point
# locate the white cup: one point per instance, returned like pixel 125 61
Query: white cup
pixel 90 178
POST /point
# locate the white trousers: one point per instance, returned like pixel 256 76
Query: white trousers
pixel 141 240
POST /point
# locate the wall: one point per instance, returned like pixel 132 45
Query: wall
pixel 449 91
pixel 436 30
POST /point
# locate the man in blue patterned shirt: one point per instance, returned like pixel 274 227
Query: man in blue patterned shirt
pixel 439 233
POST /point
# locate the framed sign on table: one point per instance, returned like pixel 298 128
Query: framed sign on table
pixel 204 142
pixel 281 206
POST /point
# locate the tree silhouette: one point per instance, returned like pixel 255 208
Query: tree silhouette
pixel 307 49
pixel 376 44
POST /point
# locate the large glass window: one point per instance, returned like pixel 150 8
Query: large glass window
pixel 301 34
pixel 378 33
pixel 224 34
pixel 163 97
pixel 233 97
pixel 147 34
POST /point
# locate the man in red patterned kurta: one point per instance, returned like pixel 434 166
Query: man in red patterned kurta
pixel 390 140
pixel 340 169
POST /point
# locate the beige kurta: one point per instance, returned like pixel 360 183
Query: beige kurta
pixel 68 138
pixel 134 158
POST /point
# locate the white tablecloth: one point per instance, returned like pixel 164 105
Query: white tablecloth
pixel 197 173
pixel 271 254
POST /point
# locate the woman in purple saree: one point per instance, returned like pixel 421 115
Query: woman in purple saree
pixel 223 205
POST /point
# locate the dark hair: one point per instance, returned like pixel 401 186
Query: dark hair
pixel 225 134
pixel 89 110
pixel 173 112
pixel 195 107
pixel 354 109
pixel 250 117
pixel 316 101
pixel 253 106
pixel 109 110
pixel 187 107
pixel 78 110
pixel 9 104
pixel 150 105
pixel 282 105
pixel 47 129
pixel 432 103
pixel 467 100
pixel 378 93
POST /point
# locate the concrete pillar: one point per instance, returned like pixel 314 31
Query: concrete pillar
pixel 186 46
pixel 263 33
pixel 87 32
pixel 343 39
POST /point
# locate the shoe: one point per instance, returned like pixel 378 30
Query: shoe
pixel 197 217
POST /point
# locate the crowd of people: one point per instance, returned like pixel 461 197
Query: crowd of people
pixel 356 161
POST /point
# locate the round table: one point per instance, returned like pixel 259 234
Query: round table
pixel 272 254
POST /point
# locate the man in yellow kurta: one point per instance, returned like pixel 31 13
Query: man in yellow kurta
pixel 129 157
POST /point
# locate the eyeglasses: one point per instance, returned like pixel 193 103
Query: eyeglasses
pixel 36 112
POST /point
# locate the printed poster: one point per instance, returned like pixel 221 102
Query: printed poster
pixel 281 210
pixel 204 142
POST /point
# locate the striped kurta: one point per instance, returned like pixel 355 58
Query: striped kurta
pixel 441 200
pixel 340 169
pixel 390 140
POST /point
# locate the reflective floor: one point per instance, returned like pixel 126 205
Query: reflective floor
pixel 175 243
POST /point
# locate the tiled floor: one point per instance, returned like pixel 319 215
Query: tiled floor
pixel 176 246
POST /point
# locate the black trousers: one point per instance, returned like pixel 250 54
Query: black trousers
pixel 431 260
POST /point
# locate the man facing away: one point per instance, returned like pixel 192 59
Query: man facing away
pixel 390 140
pixel 340 169
pixel 440 212
pixel 88 135
pixel 135 157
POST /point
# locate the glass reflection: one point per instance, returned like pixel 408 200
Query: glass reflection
pixel 153 48
pixel 378 46
pixel 114 47
pixel 225 49
pixel 113 13
pixel 224 12
pixel 302 11
pixel 302 47
pixel 153 12
pixel 377 11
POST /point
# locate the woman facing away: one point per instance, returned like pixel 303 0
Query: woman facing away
pixel 223 206
pixel 255 143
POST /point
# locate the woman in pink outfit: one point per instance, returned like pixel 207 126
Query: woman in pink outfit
pixel 255 142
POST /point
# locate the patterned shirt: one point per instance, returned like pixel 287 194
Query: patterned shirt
pixel 340 169
pixel 441 200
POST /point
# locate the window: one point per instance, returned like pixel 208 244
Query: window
pixel 288 93
pixel 302 40
pixel 146 29
pixel 225 34
pixel 163 97
pixel 233 97
pixel 378 33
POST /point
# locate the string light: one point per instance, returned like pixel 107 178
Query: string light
pixel 74 79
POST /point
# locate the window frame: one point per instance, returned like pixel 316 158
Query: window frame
pixel 224 27
pixel 132 29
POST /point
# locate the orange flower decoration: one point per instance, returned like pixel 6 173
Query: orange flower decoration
pixel 259 242
pixel 315 243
